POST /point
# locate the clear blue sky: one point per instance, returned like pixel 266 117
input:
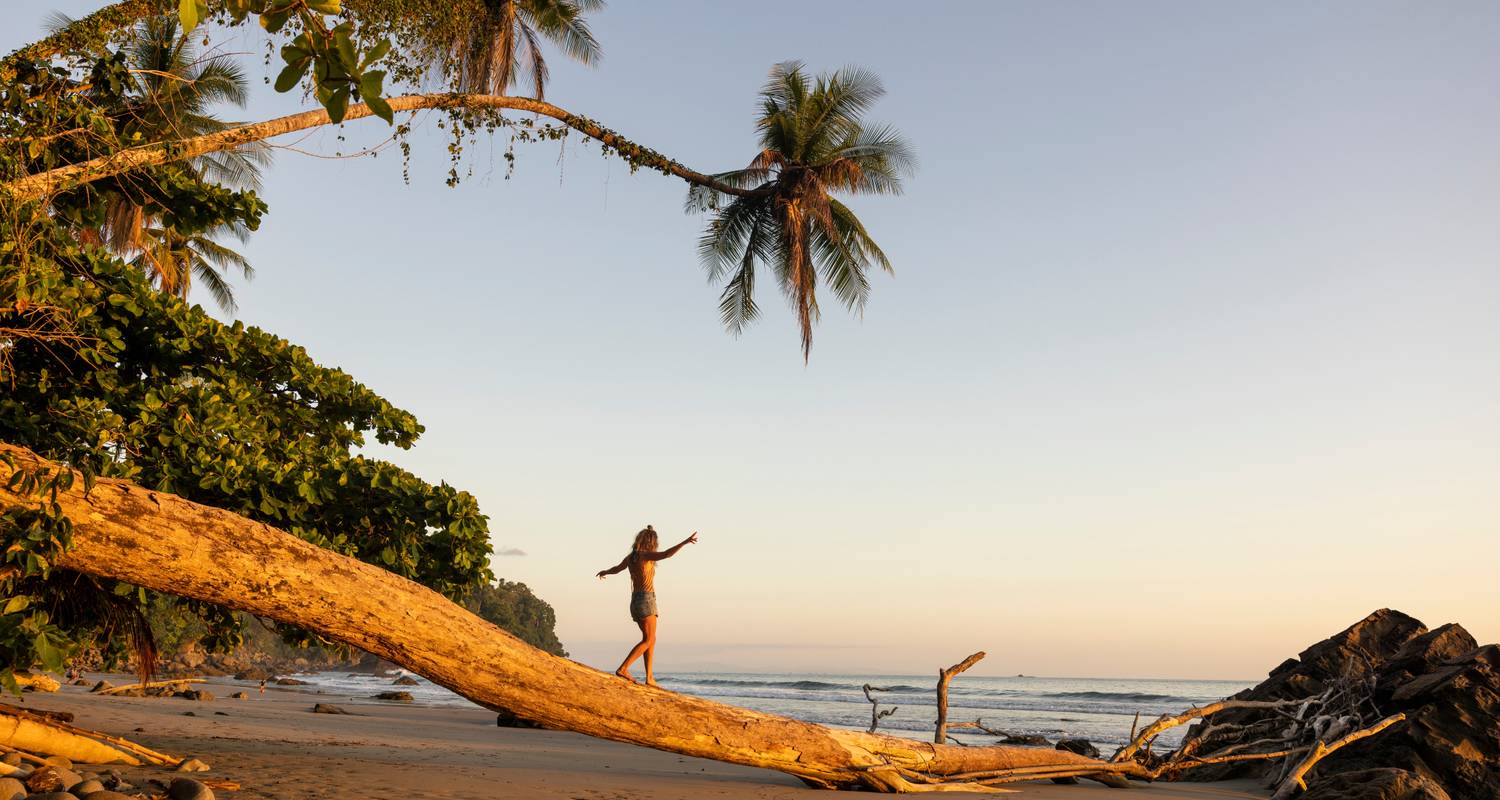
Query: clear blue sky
pixel 1192 356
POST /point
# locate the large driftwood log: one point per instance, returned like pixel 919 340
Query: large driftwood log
pixel 169 544
pixel 35 736
pixel 136 750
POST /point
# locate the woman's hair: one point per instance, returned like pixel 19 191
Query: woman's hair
pixel 645 540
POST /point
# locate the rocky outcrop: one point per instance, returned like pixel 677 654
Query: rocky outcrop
pixel 1448 687
pixel 1376 784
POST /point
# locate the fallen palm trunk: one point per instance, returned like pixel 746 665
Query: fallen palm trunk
pixel 163 542
pixel 139 751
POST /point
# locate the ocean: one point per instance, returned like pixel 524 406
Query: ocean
pixel 1097 709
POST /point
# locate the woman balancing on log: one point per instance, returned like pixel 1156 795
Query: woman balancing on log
pixel 641 561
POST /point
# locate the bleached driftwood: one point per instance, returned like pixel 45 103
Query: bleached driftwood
pixel 940 735
pixel 152 685
pixel 1295 782
pixel 139 751
pixel 876 715
pixel 31 735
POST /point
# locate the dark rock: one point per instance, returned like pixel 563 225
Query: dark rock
pixel 189 789
pixel 11 789
pixel 52 779
pixel 405 680
pixel 290 682
pixel 252 674
pixel 80 682
pixel 52 796
pixel 191 765
pixel 1375 784
pixel 1082 747
pixel 395 697
pixel 1026 739
pixel 506 719
pixel 13 759
pixel 221 713
pixel 1448 688
pixel 240 696
pixel 87 786
pixel 328 708
pixel 202 695
pixel 108 795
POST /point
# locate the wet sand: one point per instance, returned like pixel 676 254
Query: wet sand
pixel 275 747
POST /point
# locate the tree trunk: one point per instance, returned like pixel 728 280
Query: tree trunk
pixel 44 184
pixel 171 545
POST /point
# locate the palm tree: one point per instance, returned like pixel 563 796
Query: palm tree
pixel 175 260
pixel 491 53
pixel 175 89
pixel 813 141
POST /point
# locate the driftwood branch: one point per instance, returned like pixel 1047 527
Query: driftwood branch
pixel 1296 782
pixel 1167 721
pixel 876 715
pixel 940 735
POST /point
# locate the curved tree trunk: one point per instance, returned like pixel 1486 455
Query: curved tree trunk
pixel 44 184
pixel 163 542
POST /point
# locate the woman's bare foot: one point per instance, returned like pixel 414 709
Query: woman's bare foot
pixel 651 681
pixel 626 675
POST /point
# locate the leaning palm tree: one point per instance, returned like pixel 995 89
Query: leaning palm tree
pixel 500 45
pixel 814 142
pixel 175 89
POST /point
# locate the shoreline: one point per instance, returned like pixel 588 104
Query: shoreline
pixel 277 749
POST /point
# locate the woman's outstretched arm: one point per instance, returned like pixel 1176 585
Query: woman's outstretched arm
pixel 672 551
pixel 616 568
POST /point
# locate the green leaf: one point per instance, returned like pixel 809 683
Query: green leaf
pixel 292 74
pixel 344 43
pixel 17 603
pixel 370 83
pixel 50 656
pixel 325 6
pixel 338 104
pixel 376 53
pixel 380 108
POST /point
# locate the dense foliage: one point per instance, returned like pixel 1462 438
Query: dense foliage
pixel 155 391
pixel 512 606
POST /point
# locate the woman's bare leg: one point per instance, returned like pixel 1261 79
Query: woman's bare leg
pixel 648 627
pixel 648 639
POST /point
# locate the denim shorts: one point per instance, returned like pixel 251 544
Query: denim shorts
pixel 642 605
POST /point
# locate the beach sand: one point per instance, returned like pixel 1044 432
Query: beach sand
pixel 275 747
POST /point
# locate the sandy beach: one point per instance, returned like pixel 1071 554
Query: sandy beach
pixel 275 747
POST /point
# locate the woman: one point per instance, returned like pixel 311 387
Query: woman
pixel 641 561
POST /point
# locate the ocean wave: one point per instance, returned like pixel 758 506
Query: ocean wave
pixel 804 685
pixel 1132 697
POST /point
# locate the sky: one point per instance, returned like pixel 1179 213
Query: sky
pixel 1191 356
